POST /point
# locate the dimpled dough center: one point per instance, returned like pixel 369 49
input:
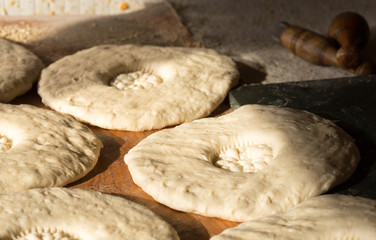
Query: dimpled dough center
pixel 245 158
pixel 136 80
pixel 5 143
pixel 252 162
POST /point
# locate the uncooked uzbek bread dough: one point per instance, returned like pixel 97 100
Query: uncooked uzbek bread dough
pixel 76 214
pixel 129 87
pixel 255 161
pixel 43 148
pixel 19 69
pixel 323 217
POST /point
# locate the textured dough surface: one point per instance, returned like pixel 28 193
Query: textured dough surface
pixel 310 155
pixel 47 148
pixel 19 69
pixel 323 217
pixel 194 83
pixel 77 214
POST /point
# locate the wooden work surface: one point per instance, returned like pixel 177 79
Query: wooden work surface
pixel 111 175
pixel 52 38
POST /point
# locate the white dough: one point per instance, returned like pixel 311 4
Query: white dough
pixel 43 148
pixel 19 69
pixel 305 155
pixel 324 217
pixel 136 88
pixel 76 214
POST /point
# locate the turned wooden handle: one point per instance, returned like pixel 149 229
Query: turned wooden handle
pixel 351 31
pixel 308 45
pixel 317 49
pixel 364 69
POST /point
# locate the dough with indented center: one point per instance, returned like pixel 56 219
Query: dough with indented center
pixel 76 214
pixel 43 148
pixel 323 217
pixel 135 88
pixel 177 166
pixel 19 69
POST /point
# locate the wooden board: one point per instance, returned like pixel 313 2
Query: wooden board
pixel 158 25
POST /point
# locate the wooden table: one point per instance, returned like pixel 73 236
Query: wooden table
pixel 57 37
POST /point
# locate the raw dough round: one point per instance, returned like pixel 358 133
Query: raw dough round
pixel 76 214
pixel 19 69
pixel 178 167
pixel 324 217
pixel 129 87
pixel 43 148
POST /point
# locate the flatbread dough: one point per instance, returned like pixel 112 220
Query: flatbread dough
pixel 75 214
pixel 19 69
pixel 43 148
pixel 178 166
pixel 323 217
pixel 129 87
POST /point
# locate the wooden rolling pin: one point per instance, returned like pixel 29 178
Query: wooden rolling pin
pixel 315 48
pixel 351 31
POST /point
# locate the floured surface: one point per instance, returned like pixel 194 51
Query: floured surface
pixel 177 166
pixel 43 148
pixel 59 213
pixel 176 85
pixel 245 30
pixel 323 217
pixel 19 69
